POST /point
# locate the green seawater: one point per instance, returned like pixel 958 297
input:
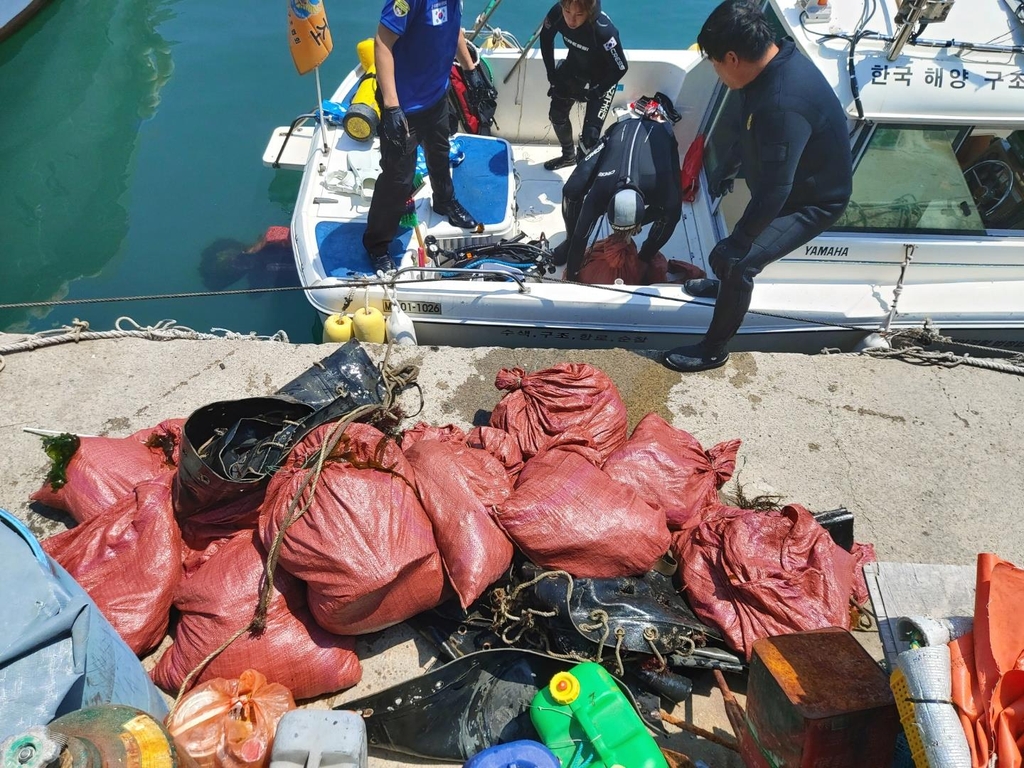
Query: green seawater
pixel 131 137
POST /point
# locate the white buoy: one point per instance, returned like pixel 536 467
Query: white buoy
pixel 399 326
pixel 872 341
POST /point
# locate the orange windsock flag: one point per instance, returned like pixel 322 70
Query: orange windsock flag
pixel 309 34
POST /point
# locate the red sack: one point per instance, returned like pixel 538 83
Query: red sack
pixel 760 574
pixel 569 404
pixel 459 488
pixel 611 259
pixel 501 445
pixel 230 723
pixel 424 431
pixel 129 561
pixel 566 514
pixel 105 469
pixel 669 469
pixel 220 598
pixel 684 270
pixel 365 546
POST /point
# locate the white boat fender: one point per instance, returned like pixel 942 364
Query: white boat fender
pixel 872 341
pixel 399 326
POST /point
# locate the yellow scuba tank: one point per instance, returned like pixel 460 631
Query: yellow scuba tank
pixel 337 329
pixel 363 114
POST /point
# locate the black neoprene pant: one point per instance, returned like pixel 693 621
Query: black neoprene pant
pixel 783 235
pixel 569 84
pixel 429 128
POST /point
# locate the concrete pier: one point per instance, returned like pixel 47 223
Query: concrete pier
pixel 927 459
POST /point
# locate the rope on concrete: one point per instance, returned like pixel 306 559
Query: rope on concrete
pixel 909 345
pixel 125 328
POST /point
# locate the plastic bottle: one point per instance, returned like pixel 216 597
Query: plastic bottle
pixel 337 329
pixel 308 738
pixel 95 737
pixel 584 718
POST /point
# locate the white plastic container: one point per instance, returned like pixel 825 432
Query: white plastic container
pixel 309 738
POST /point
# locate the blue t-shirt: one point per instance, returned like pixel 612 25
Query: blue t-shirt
pixel 428 35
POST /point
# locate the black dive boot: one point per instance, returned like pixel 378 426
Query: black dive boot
pixel 564 160
pixel 563 132
pixel 695 357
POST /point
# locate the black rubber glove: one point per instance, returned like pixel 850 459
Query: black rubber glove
pixel 596 92
pixel 725 256
pixel 394 128
pixel 475 80
pixel 479 92
pixel 721 188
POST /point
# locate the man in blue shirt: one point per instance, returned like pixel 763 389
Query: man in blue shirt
pixel 413 51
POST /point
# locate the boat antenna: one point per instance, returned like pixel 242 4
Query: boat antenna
pixel 320 109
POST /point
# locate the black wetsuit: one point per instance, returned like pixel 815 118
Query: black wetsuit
pixel 792 142
pixel 594 64
pixel 635 153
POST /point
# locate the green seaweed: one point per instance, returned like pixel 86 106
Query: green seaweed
pixel 59 449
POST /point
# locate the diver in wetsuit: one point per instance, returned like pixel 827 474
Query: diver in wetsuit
pixel 791 139
pixel 593 65
pixel 632 176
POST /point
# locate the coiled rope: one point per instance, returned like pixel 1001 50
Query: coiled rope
pixel 126 328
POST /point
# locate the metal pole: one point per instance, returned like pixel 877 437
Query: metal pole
pixel 320 108
pixel 526 49
pixel 482 19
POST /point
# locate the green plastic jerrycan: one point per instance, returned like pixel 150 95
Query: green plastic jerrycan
pixel 585 719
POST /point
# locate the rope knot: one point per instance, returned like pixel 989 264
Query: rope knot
pixel 509 379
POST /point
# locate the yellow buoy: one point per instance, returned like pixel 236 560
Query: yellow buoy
pixel 363 114
pixel 368 325
pixel 337 329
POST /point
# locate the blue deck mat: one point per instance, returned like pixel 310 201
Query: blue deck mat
pixel 481 184
pixel 481 180
pixel 341 248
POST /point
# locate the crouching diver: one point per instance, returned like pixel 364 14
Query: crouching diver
pixel 792 143
pixel 633 177
pixel 593 65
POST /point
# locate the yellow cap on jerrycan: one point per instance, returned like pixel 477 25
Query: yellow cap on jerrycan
pixel 584 718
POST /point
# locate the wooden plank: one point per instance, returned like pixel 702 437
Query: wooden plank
pixel 917 589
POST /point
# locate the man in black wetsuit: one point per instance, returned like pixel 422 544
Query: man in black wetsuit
pixel 792 142
pixel 593 65
pixel 632 176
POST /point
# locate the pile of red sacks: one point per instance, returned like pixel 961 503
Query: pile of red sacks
pixel 392 527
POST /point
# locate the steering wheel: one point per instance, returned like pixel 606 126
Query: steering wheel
pixel 996 185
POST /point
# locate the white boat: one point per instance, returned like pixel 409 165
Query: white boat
pixel 934 234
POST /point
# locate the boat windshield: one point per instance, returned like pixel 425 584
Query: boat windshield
pixel 909 179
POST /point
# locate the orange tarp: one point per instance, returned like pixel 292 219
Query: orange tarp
pixel 988 667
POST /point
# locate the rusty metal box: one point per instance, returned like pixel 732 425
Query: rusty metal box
pixel 818 700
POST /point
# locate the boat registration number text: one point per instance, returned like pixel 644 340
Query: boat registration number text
pixel 416 307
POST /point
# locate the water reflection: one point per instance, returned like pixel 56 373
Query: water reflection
pixel 75 85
